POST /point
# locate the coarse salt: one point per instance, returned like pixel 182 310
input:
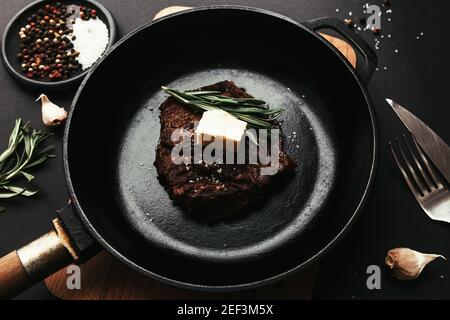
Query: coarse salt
pixel 91 40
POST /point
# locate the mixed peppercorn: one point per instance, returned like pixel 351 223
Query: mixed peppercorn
pixel 46 48
pixel 87 13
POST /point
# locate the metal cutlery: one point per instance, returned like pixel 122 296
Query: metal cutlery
pixel 433 145
pixel 426 185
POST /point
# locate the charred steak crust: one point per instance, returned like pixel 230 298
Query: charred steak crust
pixel 219 190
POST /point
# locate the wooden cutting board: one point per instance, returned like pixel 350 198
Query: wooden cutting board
pixel 105 278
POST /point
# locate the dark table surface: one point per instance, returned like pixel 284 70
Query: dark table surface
pixel 417 76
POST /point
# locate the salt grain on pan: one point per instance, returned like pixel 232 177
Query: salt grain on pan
pixel 350 13
pixel 91 40
pixel 396 50
pixel 337 10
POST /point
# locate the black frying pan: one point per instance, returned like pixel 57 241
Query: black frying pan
pixel 113 129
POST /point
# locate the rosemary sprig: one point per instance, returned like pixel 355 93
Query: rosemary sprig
pixel 24 152
pixel 253 111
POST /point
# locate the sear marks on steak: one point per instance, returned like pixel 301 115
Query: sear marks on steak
pixel 214 191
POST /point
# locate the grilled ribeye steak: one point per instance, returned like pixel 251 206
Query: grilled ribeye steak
pixel 218 189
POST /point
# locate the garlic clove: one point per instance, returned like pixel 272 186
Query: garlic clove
pixel 52 115
pixel 407 264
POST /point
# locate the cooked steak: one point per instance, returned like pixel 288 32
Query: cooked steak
pixel 219 189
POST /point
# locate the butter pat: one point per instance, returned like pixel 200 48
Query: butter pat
pixel 220 125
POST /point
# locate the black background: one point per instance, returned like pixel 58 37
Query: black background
pixel 417 76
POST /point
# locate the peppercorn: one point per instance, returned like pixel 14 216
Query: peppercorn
pixel 46 48
pixel 349 22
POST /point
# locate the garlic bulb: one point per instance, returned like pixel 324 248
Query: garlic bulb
pixel 52 115
pixel 407 264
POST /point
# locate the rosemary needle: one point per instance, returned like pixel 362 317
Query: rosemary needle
pixel 24 152
pixel 253 111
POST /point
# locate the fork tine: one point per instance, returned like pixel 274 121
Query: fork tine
pixel 424 175
pixel 419 183
pixel 405 176
pixel 430 169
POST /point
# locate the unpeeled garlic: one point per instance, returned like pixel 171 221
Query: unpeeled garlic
pixel 52 115
pixel 407 264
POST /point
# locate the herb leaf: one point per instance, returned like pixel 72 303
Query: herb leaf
pixel 24 151
pixel 253 111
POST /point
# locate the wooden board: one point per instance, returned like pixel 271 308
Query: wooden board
pixel 106 278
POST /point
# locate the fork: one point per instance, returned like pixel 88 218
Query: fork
pixel 426 185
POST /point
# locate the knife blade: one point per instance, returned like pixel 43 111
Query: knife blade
pixel 433 145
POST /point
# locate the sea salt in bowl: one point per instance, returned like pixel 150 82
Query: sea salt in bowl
pixel 92 39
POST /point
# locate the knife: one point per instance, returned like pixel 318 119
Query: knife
pixel 433 145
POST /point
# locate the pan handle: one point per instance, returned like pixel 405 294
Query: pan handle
pixel 367 68
pixel 22 268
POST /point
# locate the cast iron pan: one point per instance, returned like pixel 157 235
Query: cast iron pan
pixel 113 130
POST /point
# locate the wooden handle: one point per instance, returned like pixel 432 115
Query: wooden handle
pixel 22 268
pixel 13 276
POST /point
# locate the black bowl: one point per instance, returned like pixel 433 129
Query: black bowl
pixel 10 43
